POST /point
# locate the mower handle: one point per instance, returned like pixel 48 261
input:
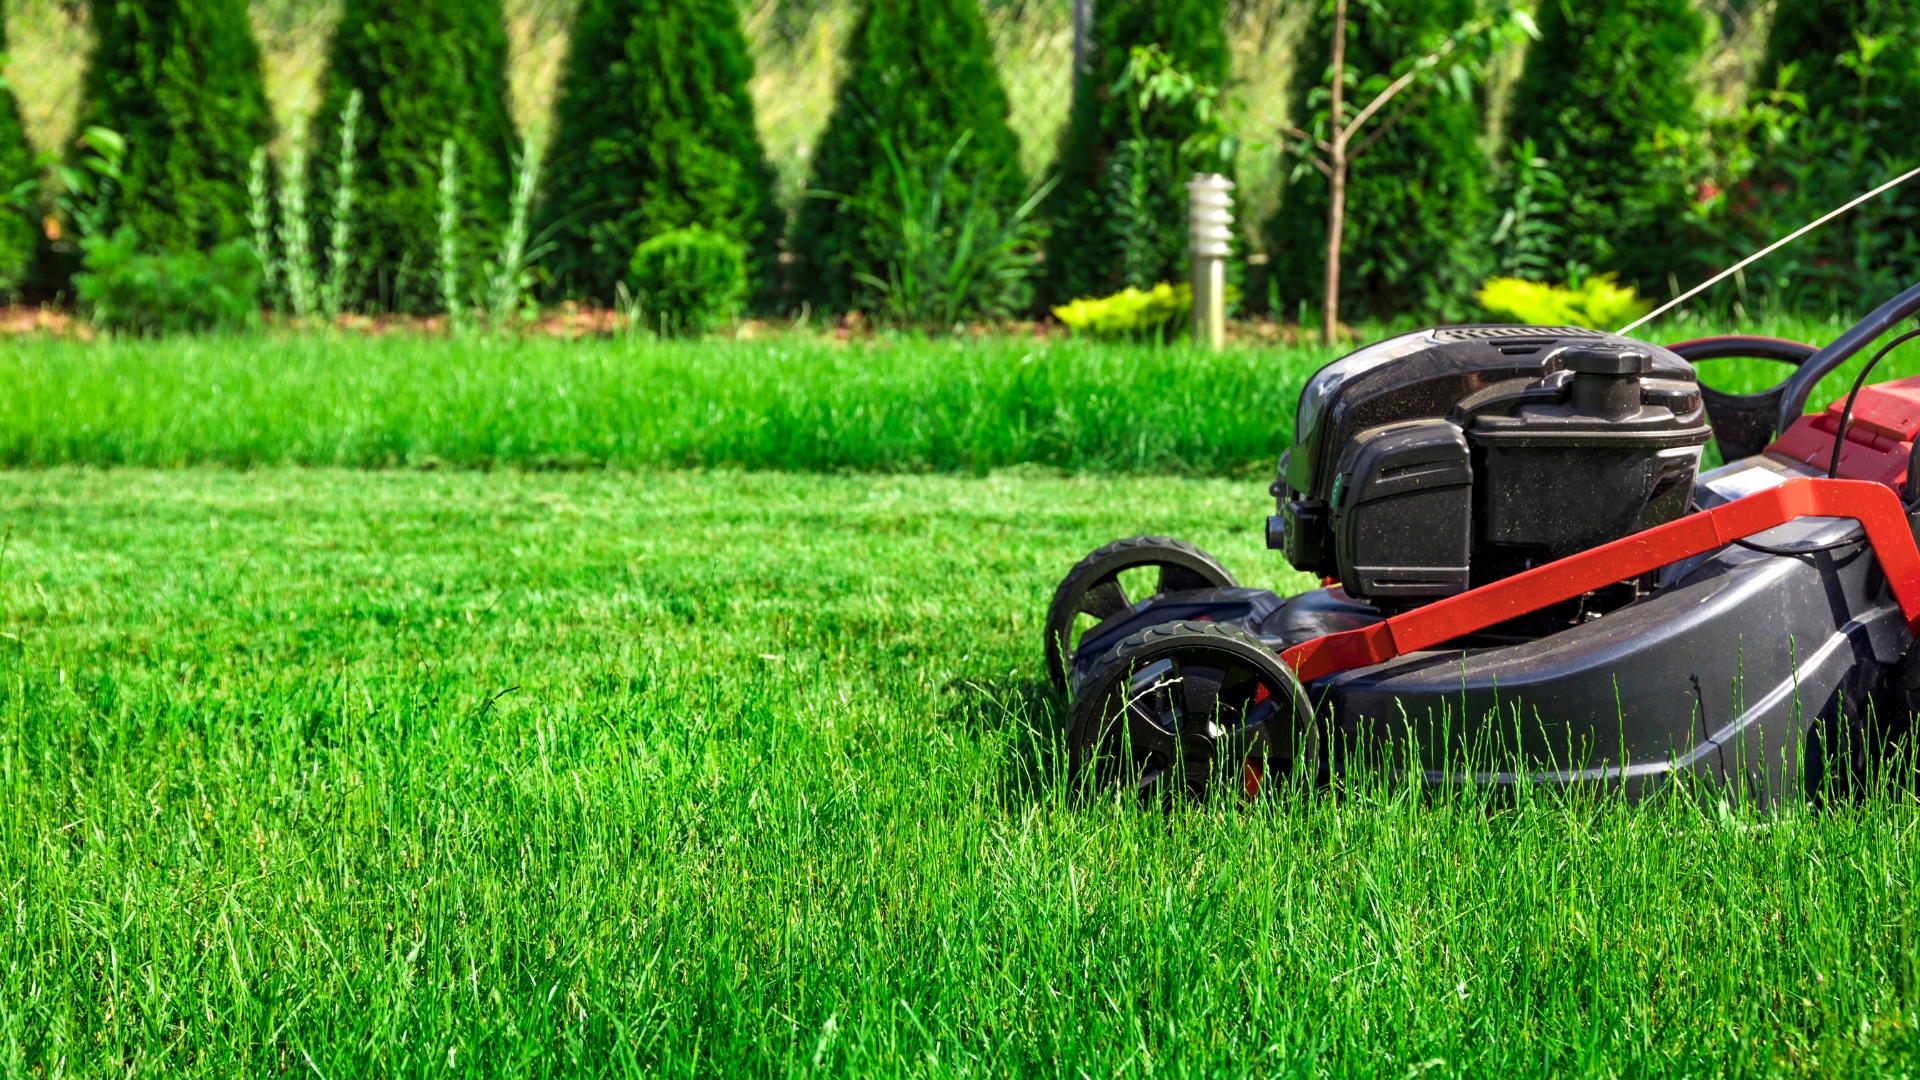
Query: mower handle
pixel 1799 387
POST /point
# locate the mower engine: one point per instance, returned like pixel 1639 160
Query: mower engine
pixel 1439 461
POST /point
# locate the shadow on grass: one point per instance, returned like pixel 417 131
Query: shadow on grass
pixel 1023 722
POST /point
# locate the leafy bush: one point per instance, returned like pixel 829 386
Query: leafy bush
pixel 920 75
pixel 1416 206
pixel 158 294
pixel 1119 216
pixel 1604 92
pixel 1598 303
pixel 19 185
pixel 1832 116
pixel 179 80
pixel 655 132
pixel 428 71
pixel 689 280
pixel 945 263
pixel 1129 313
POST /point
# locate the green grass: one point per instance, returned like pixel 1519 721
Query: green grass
pixel 793 403
pixel 330 773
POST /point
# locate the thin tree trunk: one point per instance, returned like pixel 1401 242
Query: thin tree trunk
pixel 1336 178
pixel 1082 27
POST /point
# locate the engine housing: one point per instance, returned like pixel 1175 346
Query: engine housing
pixel 1437 461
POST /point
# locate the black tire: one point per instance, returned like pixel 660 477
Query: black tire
pixel 1178 709
pixel 1093 588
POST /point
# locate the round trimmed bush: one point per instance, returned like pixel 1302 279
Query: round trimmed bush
pixel 689 281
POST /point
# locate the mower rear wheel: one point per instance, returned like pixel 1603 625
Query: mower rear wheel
pixel 1186 708
pixel 1093 587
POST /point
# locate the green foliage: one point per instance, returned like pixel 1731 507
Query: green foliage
pixel 691 280
pixel 1129 313
pixel 654 132
pixel 19 183
pixel 1833 116
pixel 920 79
pixel 180 81
pixel 1416 200
pixel 1599 302
pixel 1141 123
pixel 946 264
pixel 162 294
pixel 1604 99
pixel 1526 239
pixel 429 71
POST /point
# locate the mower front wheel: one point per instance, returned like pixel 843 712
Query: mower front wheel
pixel 1186 708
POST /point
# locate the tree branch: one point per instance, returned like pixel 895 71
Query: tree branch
pixel 1305 140
pixel 1386 125
pixel 1401 83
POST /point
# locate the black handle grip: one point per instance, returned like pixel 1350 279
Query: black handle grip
pixel 1793 398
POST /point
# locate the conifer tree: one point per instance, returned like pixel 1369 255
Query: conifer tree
pixel 18 235
pixel 1416 202
pixel 1836 111
pixel 1604 84
pixel 655 133
pixel 180 81
pixel 920 80
pixel 1119 214
pixel 428 71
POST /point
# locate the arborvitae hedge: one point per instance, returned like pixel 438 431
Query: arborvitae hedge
pixel 1100 242
pixel 1814 34
pixel 1603 80
pixel 654 133
pixel 1416 200
pixel 428 70
pixel 18 233
pixel 180 80
pixel 920 74
pixel 1845 144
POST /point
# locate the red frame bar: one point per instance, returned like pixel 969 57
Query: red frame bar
pixel 1874 506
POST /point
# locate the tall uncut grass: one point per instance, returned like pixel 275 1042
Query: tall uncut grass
pixel 714 773
pixel 793 402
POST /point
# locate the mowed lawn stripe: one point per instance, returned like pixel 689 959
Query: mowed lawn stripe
pixel 716 772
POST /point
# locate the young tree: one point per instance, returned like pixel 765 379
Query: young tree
pixel 1119 214
pixel 655 133
pixel 920 83
pixel 19 183
pixel 428 71
pixel 1398 77
pixel 1603 88
pixel 179 80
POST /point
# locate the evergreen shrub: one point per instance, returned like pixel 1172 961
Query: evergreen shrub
pixel 1119 215
pixel 428 71
pixel 1416 207
pixel 126 290
pixel 1835 112
pixel 179 80
pixel 19 185
pixel 1603 96
pixel 654 132
pixel 690 280
pixel 920 81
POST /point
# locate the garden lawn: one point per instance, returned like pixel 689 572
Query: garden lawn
pixel 404 773
pixel 791 401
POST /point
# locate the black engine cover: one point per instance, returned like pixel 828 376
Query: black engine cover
pixel 1437 461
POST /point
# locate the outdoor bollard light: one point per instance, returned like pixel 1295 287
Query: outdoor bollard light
pixel 1209 237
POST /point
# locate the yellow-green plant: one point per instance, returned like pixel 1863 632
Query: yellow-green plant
pixel 1130 312
pixel 1598 303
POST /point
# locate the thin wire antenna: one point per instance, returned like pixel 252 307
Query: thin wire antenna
pixel 1766 251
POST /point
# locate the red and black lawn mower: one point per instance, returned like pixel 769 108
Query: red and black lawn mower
pixel 1523 567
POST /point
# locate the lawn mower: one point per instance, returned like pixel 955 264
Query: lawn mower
pixel 1527 578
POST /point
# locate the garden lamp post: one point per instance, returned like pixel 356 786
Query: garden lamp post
pixel 1209 241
